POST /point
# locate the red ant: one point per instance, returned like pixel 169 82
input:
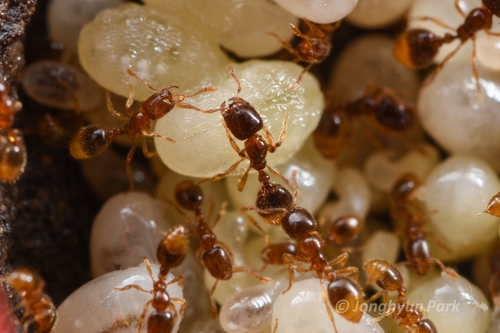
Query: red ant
pixel 12 148
pixel 388 277
pixel 493 207
pixel 382 105
pixel 314 48
pixel 416 48
pixel 214 255
pixel 405 208
pixel 38 307
pixel 243 121
pixel 92 140
pixel 171 253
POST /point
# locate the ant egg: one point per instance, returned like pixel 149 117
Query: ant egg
pixel 382 170
pixel 232 230
pixel 488 48
pixel 61 86
pixel 453 304
pixel 266 87
pixel 97 307
pixel 302 309
pixel 315 174
pixel 250 310
pixel 454 193
pixel 452 98
pixel 158 46
pixel 65 19
pixel 239 26
pixel 371 14
pixel 323 11
pixel 127 229
pixel 381 245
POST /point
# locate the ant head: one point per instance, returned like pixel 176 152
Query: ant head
pixel 90 141
pixel 188 195
pixel 394 115
pixel 345 228
pixel 403 188
pixel 493 6
pixel 24 279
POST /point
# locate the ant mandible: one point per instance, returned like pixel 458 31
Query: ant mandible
pixel 381 105
pixel 214 255
pixel 416 48
pixel 170 254
pixel 38 307
pixel 243 121
pixel 12 148
pixel 388 278
pixel 93 140
pixel 313 49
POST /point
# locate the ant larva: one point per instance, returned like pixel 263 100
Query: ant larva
pixel 416 48
pixel 92 140
pixel 313 49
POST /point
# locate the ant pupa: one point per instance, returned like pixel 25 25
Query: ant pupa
pixel 314 47
pixel 416 48
pixel 92 140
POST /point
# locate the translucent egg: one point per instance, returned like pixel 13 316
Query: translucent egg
pixel 319 11
pixel 266 86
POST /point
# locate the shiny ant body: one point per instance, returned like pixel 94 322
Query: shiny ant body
pixel 242 121
pixel 170 254
pixel 381 105
pixel 410 316
pixel 406 208
pixel 38 307
pixel 92 140
pixel 416 48
pixel 214 255
pixel 313 49
pixel 12 148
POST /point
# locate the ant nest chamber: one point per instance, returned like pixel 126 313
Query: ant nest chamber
pixel 249 166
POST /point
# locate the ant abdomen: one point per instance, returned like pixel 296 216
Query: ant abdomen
pixel 345 229
pixel 417 48
pixel 218 263
pixel 297 222
pixel 242 119
pixel 12 155
pixel 272 196
pixel 164 321
pixel 417 252
pixel 91 141
pixel 425 326
pixel 346 290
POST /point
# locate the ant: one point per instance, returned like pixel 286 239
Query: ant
pixel 12 148
pixel 416 48
pixel 92 140
pixel 493 207
pixel 405 208
pixel 243 121
pixel 382 105
pixel 313 49
pixel 170 253
pixel 38 307
pixel 214 255
pixel 388 277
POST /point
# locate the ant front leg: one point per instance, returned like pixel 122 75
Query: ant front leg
pixel 212 300
pixel 182 303
pixel 285 44
pixel 291 263
pixel 299 79
pixel 279 174
pixel 128 167
pixel 243 179
pixel 252 273
pixel 145 150
pixel 112 110
pixel 314 29
pixel 232 141
pixel 224 174
pixel 271 147
pixel 156 135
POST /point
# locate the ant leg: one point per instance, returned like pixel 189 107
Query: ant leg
pixel 340 260
pixel 145 149
pixel 202 90
pixel 297 83
pixel 353 272
pixel 128 167
pixel 491 33
pixel 224 174
pixel 130 99
pixel 156 135
pixel 133 74
pixel 314 29
pixel 182 302
pixel 275 328
pixel 143 315
pixel 325 300
pixel 133 286
pixel 232 141
pixel 212 300
pixel 256 225
pixel 149 269
pixel 178 279
pixel 222 212
pixel 232 72
pixel 299 33
pixel 279 174
pixel 440 66
pixel 112 110
pixel 290 262
pixel 285 44
pixel 178 209
pixel 450 271
pixel 376 295
pixel 243 179
pixel 475 72
pixel 261 211
pixel 434 20
pixel 271 144
pixel 459 10
pixel 252 273
pixel 383 315
pixel 192 107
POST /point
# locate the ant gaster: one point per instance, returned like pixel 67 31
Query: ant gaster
pixel 388 277
pixel 214 255
pixel 12 148
pixel 417 48
pixel 243 121
pixel 170 254
pixel 92 140
pixel 38 307
pixel 313 49
pixel 381 105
